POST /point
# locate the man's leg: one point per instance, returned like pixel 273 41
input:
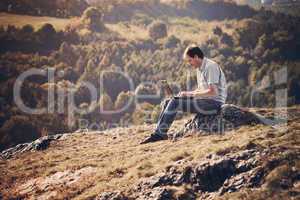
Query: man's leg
pixel 190 105
pixel 184 104
pixel 163 106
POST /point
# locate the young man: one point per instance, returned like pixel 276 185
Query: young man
pixel 207 98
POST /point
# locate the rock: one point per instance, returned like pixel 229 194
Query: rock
pixel 111 196
pixel 37 145
pixel 213 176
pixel 157 194
pixel 228 118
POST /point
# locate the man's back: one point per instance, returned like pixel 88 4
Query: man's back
pixel 211 73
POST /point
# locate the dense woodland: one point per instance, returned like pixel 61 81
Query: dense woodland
pixel 86 49
pixel 56 8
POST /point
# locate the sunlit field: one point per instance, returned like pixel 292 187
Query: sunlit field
pixel 36 21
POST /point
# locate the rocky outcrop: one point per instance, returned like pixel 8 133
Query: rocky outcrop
pixel 37 145
pixel 214 176
pixel 111 196
pixel 227 118
pixel 223 172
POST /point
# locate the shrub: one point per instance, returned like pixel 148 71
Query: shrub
pixel 125 100
pixel 114 83
pixel 172 42
pixel 105 102
pixel 142 113
pixel 143 90
pixel 157 30
pixel 46 32
pixel 27 29
pixel 217 31
pixel 92 19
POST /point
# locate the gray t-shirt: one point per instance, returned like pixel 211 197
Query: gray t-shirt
pixel 211 73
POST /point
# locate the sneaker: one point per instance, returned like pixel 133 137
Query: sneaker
pixel 154 138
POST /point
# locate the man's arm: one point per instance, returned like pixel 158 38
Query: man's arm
pixel 209 92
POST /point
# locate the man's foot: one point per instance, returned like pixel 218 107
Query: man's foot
pixel 154 138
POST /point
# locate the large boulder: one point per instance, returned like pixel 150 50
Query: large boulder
pixel 227 118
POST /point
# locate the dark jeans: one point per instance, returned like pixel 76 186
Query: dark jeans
pixel 185 104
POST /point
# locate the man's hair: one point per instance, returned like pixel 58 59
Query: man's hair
pixel 192 51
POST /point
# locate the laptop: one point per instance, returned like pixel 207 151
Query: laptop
pixel 168 90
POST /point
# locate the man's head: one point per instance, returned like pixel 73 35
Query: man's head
pixel 193 55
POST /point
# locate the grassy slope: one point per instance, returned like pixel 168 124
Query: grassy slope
pixel 116 160
pixel 182 27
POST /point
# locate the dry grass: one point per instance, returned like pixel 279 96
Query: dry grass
pixel 36 21
pixel 185 28
pixel 129 31
pixel 199 31
pixel 119 160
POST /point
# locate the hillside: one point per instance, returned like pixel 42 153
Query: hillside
pixel 56 8
pixel 132 45
pixel 85 165
pixel 36 21
pixel 252 49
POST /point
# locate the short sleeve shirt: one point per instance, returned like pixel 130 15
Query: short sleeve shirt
pixel 211 73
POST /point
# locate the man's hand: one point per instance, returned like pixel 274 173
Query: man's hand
pixel 210 91
pixel 186 94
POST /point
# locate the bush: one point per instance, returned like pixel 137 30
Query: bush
pixel 143 90
pixel 46 32
pixel 105 102
pixel 125 101
pixel 157 30
pixel 172 42
pixel 142 113
pixel 92 19
pixel 114 83
pixel 27 29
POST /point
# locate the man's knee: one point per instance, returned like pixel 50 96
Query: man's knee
pixel 165 102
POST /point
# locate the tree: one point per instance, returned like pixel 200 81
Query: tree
pixel 114 83
pixel 172 42
pixel 46 32
pixel 105 103
pixel 157 30
pixel 18 129
pixel 27 29
pixel 125 101
pixel 217 31
pixel 92 19
pixel 144 90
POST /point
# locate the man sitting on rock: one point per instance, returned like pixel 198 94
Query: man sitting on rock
pixel 207 98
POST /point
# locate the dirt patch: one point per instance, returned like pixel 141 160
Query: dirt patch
pixel 45 187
